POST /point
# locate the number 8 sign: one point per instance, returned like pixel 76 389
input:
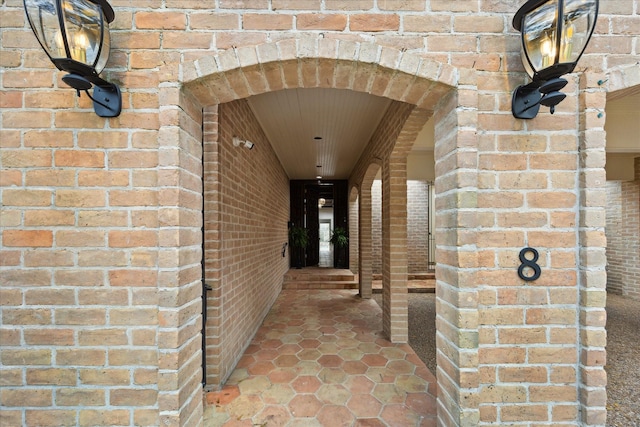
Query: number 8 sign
pixel 530 263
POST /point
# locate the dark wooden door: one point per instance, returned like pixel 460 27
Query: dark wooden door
pixel 297 255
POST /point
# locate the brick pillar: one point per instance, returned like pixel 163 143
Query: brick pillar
pixel 212 244
pixel 179 284
pixel 364 242
pixel 353 231
pixel 592 276
pixel 395 319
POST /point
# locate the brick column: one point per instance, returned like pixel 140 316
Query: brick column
pixel 394 248
pixel 364 242
pixel 179 284
pixel 353 231
pixel 592 276
pixel 212 244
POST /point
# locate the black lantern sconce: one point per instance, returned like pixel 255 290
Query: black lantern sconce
pixel 75 36
pixel 555 33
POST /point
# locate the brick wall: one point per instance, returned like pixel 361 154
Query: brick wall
pixel 246 214
pixel 376 226
pixel 417 226
pixel 615 241
pixel 81 254
pixel 354 237
pixel 623 236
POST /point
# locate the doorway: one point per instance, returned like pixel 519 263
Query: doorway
pixel 326 226
pixel 320 207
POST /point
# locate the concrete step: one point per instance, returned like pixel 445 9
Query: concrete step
pixel 319 278
pixel 412 276
pixel 318 275
pixel 320 285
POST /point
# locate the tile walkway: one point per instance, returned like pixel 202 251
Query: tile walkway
pixel 319 359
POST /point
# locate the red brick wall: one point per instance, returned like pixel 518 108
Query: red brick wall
pixel 246 215
pixel 623 236
pixel 417 226
pixel 376 226
pixel 616 250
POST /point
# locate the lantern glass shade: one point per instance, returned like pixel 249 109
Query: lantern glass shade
pixel 74 30
pixel 554 35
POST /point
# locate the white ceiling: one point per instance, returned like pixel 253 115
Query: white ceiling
pixel 623 122
pixel 345 120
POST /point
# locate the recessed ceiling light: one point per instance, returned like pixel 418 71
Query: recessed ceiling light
pixel 319 177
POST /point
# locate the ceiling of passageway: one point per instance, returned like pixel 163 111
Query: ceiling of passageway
pixel 623 122
pixel 343 119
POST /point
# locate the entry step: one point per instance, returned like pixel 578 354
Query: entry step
pixel 319 278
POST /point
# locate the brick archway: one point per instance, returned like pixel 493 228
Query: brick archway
pixel 619 82
pixel 418 86
pixel 312 63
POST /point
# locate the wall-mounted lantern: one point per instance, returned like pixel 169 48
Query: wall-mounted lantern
pixel 75 36
pixel 555 33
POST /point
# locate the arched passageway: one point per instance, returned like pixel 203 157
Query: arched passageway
pixel 622 111
pixel 418 87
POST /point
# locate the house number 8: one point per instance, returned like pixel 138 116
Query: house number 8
pixel 531 263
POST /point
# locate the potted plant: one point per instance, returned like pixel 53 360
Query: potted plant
pixel 340 241
pixel 298 240
pixel 339 238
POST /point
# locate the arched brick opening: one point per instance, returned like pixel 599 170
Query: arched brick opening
pixel 623 195
pixel 619 82
pixel 417 85
pixel 364 222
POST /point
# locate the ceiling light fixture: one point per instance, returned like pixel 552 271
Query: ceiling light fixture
pixel 555 33
pixel 75 36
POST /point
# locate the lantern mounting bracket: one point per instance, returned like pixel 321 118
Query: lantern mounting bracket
pixel 527 99
pixel 107 99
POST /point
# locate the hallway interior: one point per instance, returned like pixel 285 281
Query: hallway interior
pixel 319 359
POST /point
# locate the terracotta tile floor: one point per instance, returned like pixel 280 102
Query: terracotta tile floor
pixel 319 359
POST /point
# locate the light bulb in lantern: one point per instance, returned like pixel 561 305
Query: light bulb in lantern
pixel 80 46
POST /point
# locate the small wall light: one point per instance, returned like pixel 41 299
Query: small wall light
pixel 555 33
pixel 75 36
pixel 237 142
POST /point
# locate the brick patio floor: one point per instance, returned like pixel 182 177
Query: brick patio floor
pixel 319 359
